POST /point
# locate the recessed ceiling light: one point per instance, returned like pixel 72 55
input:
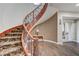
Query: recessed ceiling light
pixel 77 4
pixel 37 3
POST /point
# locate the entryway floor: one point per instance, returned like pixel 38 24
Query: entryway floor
pixel 52 49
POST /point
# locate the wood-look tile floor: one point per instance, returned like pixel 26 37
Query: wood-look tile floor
pixel 52 49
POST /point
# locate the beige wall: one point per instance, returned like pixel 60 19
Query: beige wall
pixel 48 29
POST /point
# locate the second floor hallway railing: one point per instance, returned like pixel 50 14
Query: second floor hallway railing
pixel 29 21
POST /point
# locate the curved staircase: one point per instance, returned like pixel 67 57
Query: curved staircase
pixel 10 42
pixel 15 41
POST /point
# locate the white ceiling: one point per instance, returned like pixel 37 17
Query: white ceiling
pixel 66 7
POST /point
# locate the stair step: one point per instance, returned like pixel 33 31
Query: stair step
pixel 6 37
pixel 13 54
pixel 16 53
pixel 9 43
pixel 20 54
pixel 6 51
pixel 14 39
pixel 13 34
pixel 3 39
pixel 10 39
pixel 17 31
pixel 8 46
pixel 18 28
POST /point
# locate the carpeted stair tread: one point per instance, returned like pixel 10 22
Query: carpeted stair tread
pixel 10 43
pixel 10 37
pixel 6 51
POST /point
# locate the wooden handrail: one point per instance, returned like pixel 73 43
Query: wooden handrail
pixel 29 26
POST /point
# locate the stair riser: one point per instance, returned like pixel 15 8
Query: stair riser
pixel 16 31
pixel 13 34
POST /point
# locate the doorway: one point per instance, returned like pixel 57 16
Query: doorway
pixel 70 29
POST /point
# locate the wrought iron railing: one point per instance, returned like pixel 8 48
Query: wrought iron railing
pixel 28 22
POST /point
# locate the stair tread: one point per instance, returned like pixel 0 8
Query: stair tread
pixel 18 54
pixel 14 33
pixel 6 51
pixel 21 54
pixel 10 37
pixel 1 39
pixel 7 43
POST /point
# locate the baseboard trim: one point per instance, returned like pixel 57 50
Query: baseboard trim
pixel 50 41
